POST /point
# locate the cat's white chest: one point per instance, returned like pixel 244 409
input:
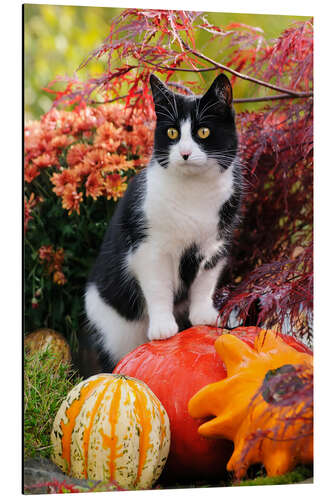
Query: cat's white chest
pixel 182 210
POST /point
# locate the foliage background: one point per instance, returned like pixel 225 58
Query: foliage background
pixel 59 37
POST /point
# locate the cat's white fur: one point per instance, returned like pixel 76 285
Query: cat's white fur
pixel 181 206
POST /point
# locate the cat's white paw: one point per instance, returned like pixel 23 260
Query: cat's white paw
pixel 162 327
pixel 204 314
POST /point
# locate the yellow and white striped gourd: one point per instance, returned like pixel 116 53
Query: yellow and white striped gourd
pixel 112 427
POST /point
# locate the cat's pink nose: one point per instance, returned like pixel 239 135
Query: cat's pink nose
pixel 186 156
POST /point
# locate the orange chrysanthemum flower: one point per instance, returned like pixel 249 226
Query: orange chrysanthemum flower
pixel 28 206
pixel 120 162
pixel 94 185
pixel 65 123
pixel 31 172
pixel 46 253
pixel 61 141
pixel 61 180
pixel 53 261
pixel 87 135
pixel 121 140
pixel 113 113
pixel 58 258
pixel 81 170
pixel 59 121
pixel 59 278
pixel 46 160
pixel 87 119
pixel 95 159
pixel 32 133
pixel 71 199
pixel 141 139
pixel 76 153
pixel 142 161
pixel 115 186
pixel 108 137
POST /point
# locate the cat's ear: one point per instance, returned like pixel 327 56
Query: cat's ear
pixel 159 90
pixel 221 90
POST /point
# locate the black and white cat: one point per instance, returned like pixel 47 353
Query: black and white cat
pixel 168 241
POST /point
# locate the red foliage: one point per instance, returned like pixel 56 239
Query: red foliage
pixel 271 275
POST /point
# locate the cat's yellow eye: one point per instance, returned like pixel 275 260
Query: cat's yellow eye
pixel 172 133
pixel 203 132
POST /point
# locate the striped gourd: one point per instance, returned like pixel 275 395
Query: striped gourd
pixel 112 427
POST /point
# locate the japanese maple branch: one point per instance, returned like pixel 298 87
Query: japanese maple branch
pixel 245 77
pixel 289 94
pixel 178 86
pixel 115 98
pixel 236 101
pixel 273 97
pixel 173 68
pixel 216 65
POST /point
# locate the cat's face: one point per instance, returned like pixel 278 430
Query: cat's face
pixel 194 133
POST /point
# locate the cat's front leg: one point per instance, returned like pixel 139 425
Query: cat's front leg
pixel 161 326
pixel 202 310
pixel 153 269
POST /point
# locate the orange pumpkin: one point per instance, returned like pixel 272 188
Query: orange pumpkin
pixel 244 406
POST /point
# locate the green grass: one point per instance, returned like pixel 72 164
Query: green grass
pixel 47 380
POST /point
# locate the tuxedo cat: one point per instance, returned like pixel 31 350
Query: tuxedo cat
pixel 169 239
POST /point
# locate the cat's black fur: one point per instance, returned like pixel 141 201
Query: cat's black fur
pixel 127 229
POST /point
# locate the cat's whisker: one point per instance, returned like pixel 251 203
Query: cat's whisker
pixel 206 107
pixel 168 114
pixel 206 118
pixel 172 112
pixel 166 123
pixel 204 110
pixel 173 104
